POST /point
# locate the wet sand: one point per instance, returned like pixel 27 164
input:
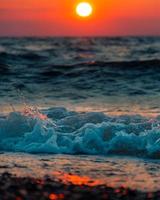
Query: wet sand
pixel 27 188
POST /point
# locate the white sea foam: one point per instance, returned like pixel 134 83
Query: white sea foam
pixel 75 133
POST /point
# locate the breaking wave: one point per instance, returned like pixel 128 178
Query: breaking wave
pixel 57 130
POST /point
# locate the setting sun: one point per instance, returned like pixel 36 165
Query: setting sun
pixel 84 9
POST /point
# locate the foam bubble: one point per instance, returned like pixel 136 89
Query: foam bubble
pixel 62 131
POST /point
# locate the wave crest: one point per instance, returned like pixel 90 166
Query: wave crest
pixel 80 133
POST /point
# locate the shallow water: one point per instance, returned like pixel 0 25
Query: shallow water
pixel 90 170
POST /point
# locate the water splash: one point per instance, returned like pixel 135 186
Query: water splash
pixel 58 130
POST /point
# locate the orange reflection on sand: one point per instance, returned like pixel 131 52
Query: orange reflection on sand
pixel 56 196
pixel 67 178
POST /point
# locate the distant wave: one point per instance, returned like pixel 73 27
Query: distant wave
pixel 80 80
pixel 57 130
pixel 33 57
pixel 11 57
pixel 98 65
pixel 44 68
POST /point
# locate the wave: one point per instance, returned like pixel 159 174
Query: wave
pixel 32 56
pixel 57 130
pixel 47 63
pixel 26 56
pixel 44 66
pixel 99 70
pixel 111 68
pixel 124 64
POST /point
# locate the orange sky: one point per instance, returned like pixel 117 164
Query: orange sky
pixel 58 18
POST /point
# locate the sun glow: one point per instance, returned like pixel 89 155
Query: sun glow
pixel 84 9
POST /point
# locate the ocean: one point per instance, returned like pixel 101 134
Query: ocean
pixel 91 101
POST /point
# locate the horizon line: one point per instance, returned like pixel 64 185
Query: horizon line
pixel 76 36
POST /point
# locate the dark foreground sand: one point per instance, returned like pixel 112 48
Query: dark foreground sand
pixel 13 188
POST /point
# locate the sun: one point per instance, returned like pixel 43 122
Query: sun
pixel 84 9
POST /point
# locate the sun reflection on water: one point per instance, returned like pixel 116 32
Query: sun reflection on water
pixel 68 178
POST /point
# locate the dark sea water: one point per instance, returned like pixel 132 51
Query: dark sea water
pixel 111 75
pixel 98 97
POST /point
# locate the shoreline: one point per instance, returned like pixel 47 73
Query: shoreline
pixel 27 188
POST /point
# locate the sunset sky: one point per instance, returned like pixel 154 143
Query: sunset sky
pixel 58 18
